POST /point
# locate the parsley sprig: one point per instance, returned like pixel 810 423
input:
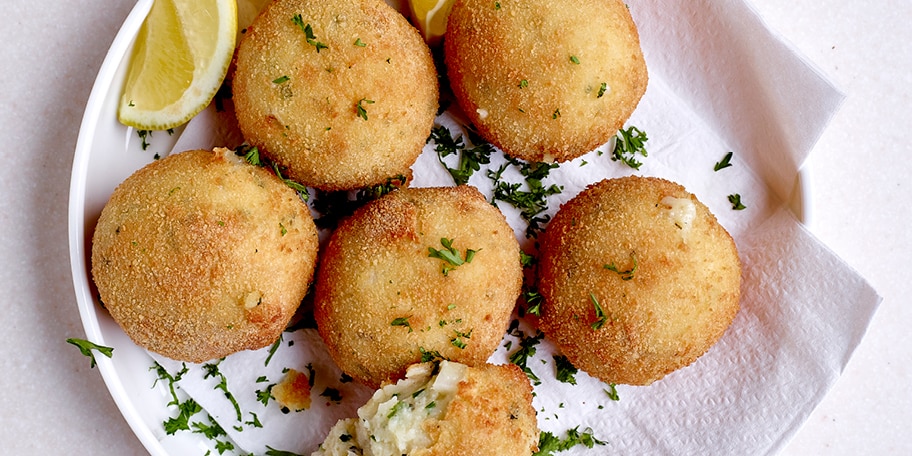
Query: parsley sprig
pixel 628 144
pixel 470 159
pixel 531 201
pixel 548 443
pixel 308 33
pixel 450 255
pixel 88 348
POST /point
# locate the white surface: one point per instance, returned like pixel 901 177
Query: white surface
pixel 53 403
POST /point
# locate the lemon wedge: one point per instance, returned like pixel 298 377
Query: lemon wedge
pixel 179 61
pixel 430 16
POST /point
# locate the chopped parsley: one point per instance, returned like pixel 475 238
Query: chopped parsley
pixel 626 274
pixel 333 206
pixel 332 394
pixel 602 89
pixel 724 163
pixel 430 355
pixel 735 200
pixel 362 111
pixel 281 80
pixel 181 422
pixel 459 340
pixel 534 301
pixel 574 59
pixel 308 33
pixel 212 370
pixel 86 348
pixel 450 255
pixel 532 201
pixel 402 321
pixel 612 392
pixel 599 313
pixel 360 43
pixel 566 371
pixel 396 408
pixel 548 443
pixel 272 349
pixel 171 379
pixel 628 144
pixel 526 350
pixel 470 159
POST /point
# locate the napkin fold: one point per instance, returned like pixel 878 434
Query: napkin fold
pixel 720 82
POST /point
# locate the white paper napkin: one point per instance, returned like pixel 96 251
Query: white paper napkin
pixel 719 82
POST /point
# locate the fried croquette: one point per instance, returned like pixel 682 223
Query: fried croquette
pixel 452 409
pixel 200 255
pixel 545 80
pixel 342 94
pixel 638 279
pixel 418 273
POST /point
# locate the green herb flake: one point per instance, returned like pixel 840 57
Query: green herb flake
pixel 181 422
pixel 548 443
pixel 526 350
pixel 332 394
pixel 612 392
pixel 524 83
pixel 450 255
pixel 626 274
pixel 724 163
pixel 402 321
pixel 628 144
pixel 470 159
pixel 574 59
pixel 212 370
pixel 362 112
pixel 566 371
pixel 308 33
pixel 86 348
pixel 599 313
pixel 531 201
pixel 430 355
pixel 396 409
pixel 360 43
pixel 735 200
pixel 281 80
pixel 602 89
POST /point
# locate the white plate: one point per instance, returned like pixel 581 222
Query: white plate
pixel 106 153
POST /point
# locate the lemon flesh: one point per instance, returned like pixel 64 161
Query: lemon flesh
pixel 430 17
pixel 179 61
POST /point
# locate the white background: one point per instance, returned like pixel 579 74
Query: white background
pixel 50 52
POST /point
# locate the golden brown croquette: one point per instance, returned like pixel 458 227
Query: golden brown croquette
pixel 200 254
pixel 420 272
pixel 441 411
pixel 545 80
pixel 343 94
pixel 638 279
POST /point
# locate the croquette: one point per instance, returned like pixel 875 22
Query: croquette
pixel 420 273
pixel 638 278
pixel 200 255
pixel 442 410
pixel 545 80
pixel 341 95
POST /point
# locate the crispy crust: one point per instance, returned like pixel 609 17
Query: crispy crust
pixel 491 414
pixel 376 268
pixel 682 297
pixel 310 123
pixel 558 113
pixel 200 255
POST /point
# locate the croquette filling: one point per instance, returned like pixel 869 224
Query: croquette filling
pixel 682 212
pixel 393 421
